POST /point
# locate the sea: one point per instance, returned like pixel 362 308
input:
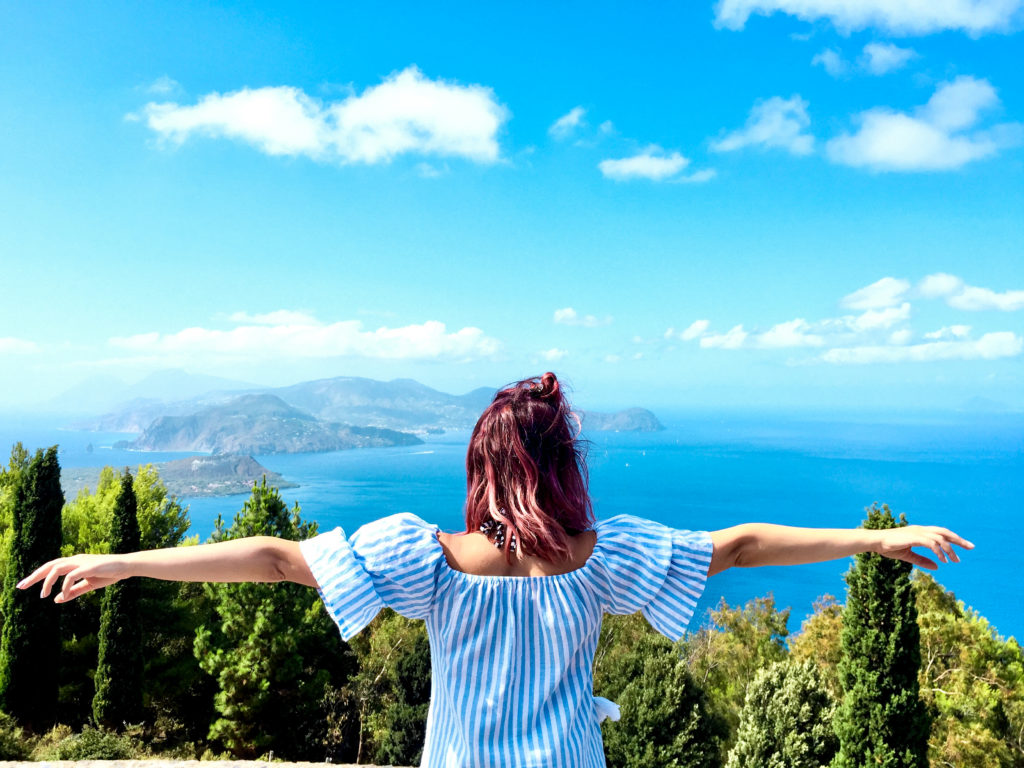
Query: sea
pixel 703 472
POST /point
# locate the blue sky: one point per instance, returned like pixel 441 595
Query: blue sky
pixel 772 203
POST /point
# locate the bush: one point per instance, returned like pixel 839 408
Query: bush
pixel 15 744
pixel 96 744
pixel 45 744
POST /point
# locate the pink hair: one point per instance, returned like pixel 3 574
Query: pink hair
pixel 526 469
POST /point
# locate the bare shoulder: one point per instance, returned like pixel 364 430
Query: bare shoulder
pixel 474 553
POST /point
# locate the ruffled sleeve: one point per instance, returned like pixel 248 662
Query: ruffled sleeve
pixel 392 562
pixel 645 566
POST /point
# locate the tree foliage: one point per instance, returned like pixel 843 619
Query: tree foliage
pixel 271 649
pixel 820 641
pixel 175 690
pixel 973 681
pixel 9 476
pixel 786 720
pixel 118 698
pixel 30 642
pixel 258 668
pixel 666 720
pixel 725 655
pixel 391 690
pixel 882 720
pixel 163 520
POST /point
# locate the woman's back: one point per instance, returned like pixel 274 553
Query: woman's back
pixel 511 656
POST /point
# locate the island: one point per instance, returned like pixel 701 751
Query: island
pixel 194 476
pixel 340 413
pixel 259 424
pixel 629 420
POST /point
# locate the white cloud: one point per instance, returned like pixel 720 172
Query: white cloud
pixel 881 331
pixel 12 346
pixel 776 123
pixel 407 113
pixel 938 285
pixel 794 333
pixel 612 358
pixel 883 293
pixel 569 316
pixel 971 298
pixel 553 355
pixel 564 126
pixel 934 138
pixel 428 171
pixel 697 177
pixel 163 85
pixel 950 332
pixel 957 104
pixel 694 330
pixel 882 58
pixel 652 163
pixel 731 339
pixel 976 299
pixel 832 61
pixel 296 339
pixel 913 18
pixel 879 319
pixel 991 346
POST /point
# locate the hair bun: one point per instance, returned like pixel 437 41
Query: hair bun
pixel 546 388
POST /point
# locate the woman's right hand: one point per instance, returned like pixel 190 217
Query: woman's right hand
pixel 82 573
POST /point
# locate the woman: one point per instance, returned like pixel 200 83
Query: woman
pixel 513 606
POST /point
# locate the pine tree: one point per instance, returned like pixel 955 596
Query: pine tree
pixel 118 698
pixel 30 644
pixel 273 650
pixel 882 720
pixel 786 720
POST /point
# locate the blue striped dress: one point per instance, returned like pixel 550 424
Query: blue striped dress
pixel 511 657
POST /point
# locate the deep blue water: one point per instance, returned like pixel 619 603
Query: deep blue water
pixel 703 472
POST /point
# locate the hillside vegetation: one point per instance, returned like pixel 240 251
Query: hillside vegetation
pixel 243 671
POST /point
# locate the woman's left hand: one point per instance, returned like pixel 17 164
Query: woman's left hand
pixel 898 544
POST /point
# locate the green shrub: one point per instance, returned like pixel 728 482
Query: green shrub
pixel 45 744
pixel 15 744
pixel 96 744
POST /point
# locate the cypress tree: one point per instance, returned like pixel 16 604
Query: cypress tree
pixel 882 720
pixel 118 698
pixel 30 643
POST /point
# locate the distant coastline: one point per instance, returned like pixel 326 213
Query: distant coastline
pixel 326 415
pixel 191 477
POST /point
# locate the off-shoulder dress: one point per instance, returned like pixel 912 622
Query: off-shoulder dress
pixel 511 656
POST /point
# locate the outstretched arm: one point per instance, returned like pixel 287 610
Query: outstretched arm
pixel 755 544
pixel 255 558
